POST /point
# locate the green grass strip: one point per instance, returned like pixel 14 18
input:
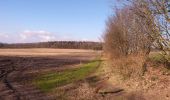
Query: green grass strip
pixel 52 80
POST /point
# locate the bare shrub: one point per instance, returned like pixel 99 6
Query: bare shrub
pixel 126 34
pixel 130 34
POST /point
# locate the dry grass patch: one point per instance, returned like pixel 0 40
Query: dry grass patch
pixel 44 52
pixel 129 67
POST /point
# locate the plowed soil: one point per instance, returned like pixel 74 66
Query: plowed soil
pixel 19 66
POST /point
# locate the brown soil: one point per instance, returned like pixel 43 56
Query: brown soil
pixel 16 72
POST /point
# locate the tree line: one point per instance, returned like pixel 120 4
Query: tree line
pixel 56 44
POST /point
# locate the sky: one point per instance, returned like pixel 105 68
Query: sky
pixel 24 21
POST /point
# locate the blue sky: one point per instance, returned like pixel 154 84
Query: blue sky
pixel 47 20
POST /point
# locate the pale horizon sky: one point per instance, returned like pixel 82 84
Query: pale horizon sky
pixel 24 21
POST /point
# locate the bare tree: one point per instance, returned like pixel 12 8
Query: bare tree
pixel 159 31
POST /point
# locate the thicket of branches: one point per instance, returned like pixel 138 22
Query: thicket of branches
pixel 128 33
pixel 56 44
pixel 159 9
pixel 139 26
pixel 133 30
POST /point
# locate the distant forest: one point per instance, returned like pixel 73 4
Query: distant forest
pixel 56 44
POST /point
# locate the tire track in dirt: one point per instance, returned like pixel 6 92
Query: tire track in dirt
pixel 7 67
pixel 11 74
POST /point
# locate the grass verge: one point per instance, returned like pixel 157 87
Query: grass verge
pixel 52 80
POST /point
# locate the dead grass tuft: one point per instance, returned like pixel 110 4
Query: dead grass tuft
pixel 128 67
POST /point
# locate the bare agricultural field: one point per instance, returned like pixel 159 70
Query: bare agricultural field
pixel 44 52
pixel 18 67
